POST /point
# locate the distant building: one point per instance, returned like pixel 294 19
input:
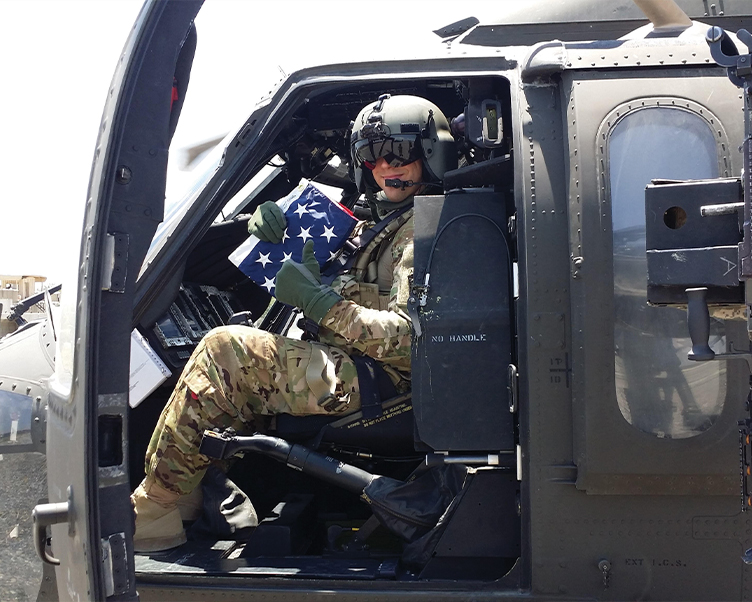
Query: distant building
pixel 15 288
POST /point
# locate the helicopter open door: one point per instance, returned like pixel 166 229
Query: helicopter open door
pixel 89 508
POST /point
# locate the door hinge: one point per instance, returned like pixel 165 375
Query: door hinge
pixel 115 262
pixel 577 266
pixel 512 387
pixel 115 565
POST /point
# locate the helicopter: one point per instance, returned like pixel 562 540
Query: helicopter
pixel 595 444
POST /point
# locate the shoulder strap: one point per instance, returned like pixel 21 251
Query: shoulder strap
pixel 356 252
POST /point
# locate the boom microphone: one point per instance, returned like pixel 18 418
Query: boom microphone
pixel 402 184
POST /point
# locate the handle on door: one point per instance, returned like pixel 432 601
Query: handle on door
pixel 45 515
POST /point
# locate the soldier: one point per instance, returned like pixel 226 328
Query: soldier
pixel 237 373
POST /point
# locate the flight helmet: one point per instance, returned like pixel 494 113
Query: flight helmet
pixel 401 129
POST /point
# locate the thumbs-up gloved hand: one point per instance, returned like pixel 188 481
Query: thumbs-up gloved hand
pixel 299 284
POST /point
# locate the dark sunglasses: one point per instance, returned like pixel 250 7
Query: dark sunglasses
pixel 395 150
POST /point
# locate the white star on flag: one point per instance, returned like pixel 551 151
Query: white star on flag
pixel 332 255
pixel 301 210
pixel 285 236
pixel 268 284
pixel 305 233
pixel 286 256
pixel 329 233
pixel 263 259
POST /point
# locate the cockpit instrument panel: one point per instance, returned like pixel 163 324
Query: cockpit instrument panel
pixel 194 312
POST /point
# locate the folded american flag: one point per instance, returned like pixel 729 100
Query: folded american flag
pixel 310 215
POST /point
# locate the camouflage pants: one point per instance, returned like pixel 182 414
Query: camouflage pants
pixel 235 374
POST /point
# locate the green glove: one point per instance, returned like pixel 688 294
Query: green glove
pixel 299 284
pixel 267 223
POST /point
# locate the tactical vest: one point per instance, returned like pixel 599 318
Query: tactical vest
pixel 367 260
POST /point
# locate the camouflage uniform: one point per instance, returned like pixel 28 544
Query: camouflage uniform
pixel 238 373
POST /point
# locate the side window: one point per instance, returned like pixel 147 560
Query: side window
pixel 658 390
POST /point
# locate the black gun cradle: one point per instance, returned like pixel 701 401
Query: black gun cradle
pixel 693 231
pixel 462 298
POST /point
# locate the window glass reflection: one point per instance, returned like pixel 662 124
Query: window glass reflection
pixel 658 390
pixel 15 419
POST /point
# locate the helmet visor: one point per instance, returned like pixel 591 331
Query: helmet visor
pixel 395 150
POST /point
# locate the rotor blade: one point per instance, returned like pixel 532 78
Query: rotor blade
pixel 664 14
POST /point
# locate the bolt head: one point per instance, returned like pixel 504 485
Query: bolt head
pixel 714 34
pixel 123 174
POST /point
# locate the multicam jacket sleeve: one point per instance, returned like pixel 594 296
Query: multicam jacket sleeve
pixel 381 334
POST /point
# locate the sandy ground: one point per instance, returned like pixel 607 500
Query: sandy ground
pixel 23 482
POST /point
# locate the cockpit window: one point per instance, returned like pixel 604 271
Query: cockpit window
pixel 658 389
pixel 176 205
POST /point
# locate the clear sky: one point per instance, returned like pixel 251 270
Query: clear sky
pixel 57 58
pixel 56 61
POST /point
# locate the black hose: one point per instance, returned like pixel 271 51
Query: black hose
pixel 299 457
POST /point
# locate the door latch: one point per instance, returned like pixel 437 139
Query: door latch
pixel 605 568
pixel 45 515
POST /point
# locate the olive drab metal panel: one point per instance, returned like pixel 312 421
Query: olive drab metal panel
pixel 652 399
pixel 595 469
pixel 543 317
